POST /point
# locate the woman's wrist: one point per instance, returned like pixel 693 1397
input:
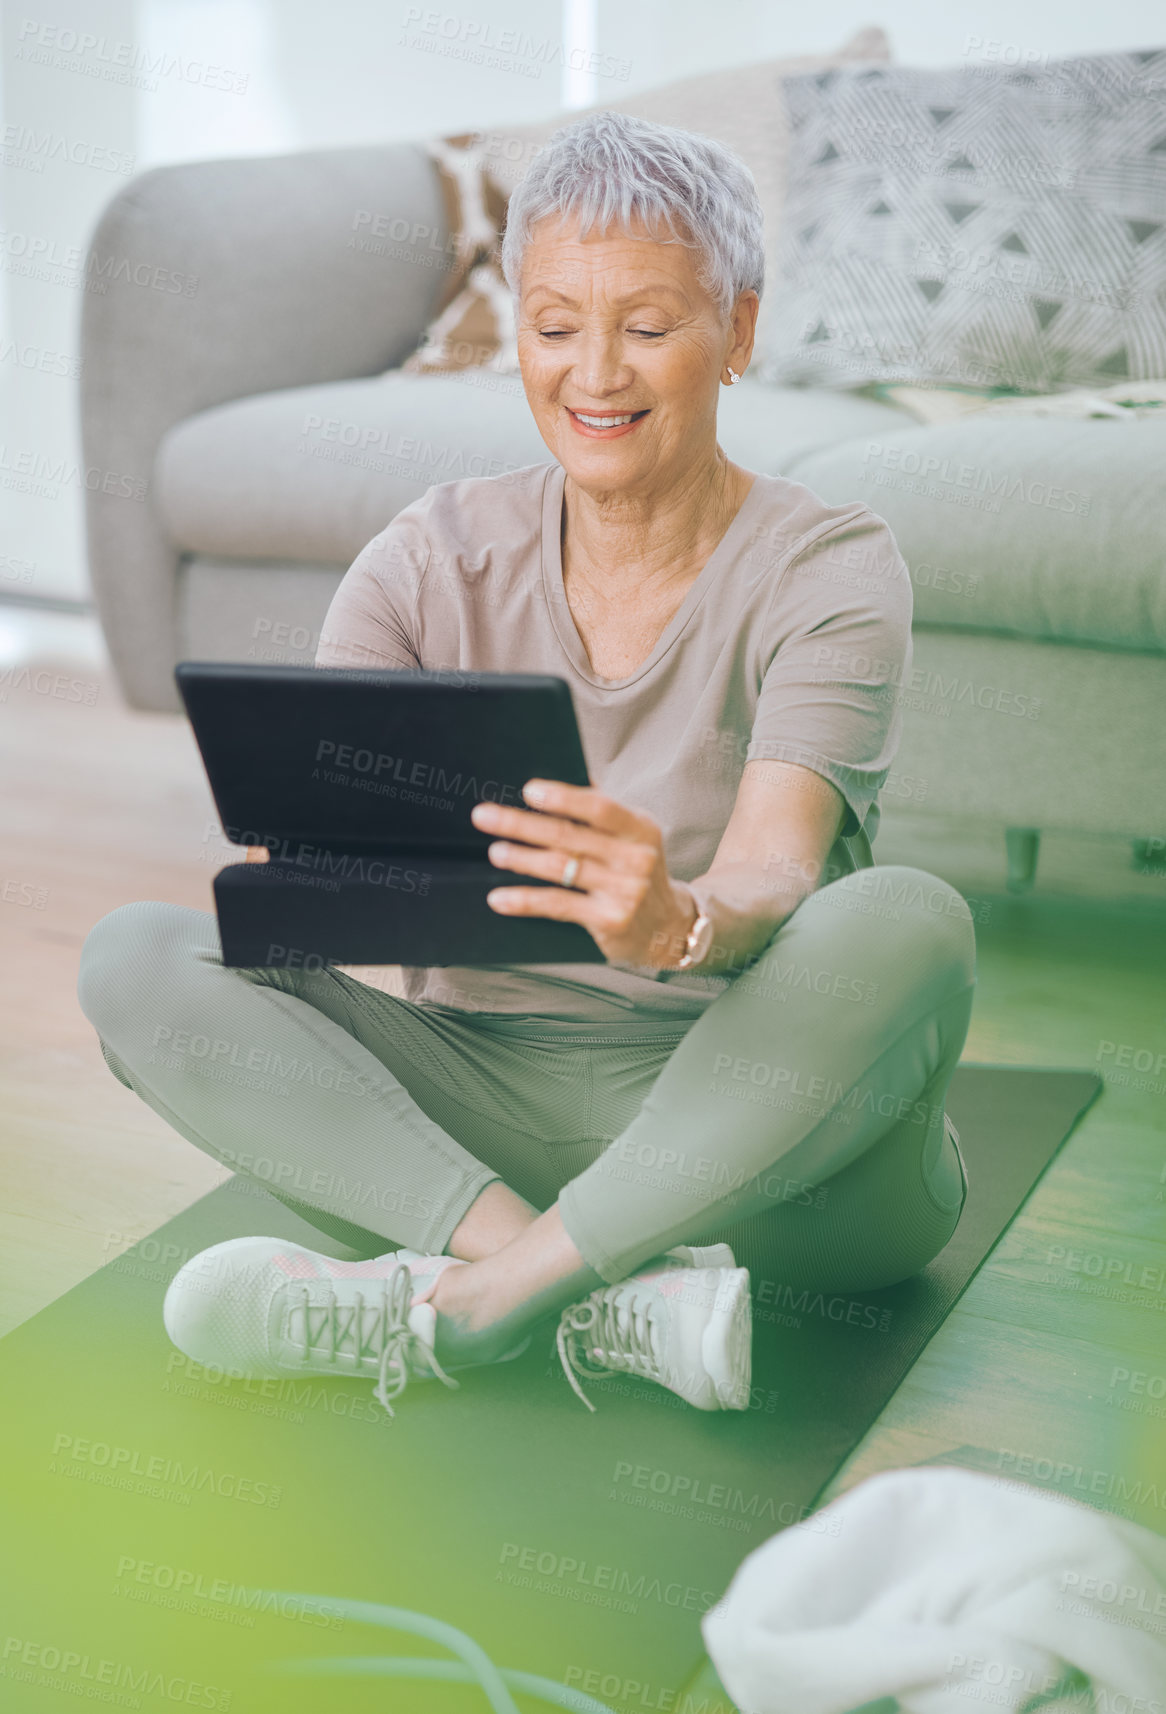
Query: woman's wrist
pixel 742 921
pixel 688 913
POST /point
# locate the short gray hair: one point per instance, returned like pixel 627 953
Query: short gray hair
pixel 610 167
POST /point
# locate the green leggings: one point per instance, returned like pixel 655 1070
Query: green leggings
pixel 800 1117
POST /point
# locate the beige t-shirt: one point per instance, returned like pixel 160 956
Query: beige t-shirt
pixel 789 645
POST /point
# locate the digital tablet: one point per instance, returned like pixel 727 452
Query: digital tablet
pixel 345 773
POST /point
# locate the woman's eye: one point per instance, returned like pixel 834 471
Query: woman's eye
pixel 564 332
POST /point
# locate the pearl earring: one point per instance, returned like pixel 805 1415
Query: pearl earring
pixel 733 377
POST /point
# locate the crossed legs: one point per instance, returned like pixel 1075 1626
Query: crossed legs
pixel 801 1114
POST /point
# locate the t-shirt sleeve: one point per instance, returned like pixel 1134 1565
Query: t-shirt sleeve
pixel 371 621
pixel 838 648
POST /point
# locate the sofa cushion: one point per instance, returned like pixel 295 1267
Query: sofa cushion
pixel 980 224
pixel 311 474
pixel 1034 527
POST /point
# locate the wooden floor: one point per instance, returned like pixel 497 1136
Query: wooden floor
pixel 102 806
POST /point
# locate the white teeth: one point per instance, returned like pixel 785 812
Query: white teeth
pixel 603 422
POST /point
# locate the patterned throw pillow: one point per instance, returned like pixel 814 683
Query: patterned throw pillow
pixel 474 324
pixel 976 226
pixel 743 107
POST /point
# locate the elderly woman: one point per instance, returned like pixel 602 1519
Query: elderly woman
pixel 760 1064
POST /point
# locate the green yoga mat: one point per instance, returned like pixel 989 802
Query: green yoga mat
pixel 173 1535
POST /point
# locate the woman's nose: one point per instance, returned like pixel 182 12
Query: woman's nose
pixel 601 363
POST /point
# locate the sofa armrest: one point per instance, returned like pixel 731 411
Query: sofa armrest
pixel 216 280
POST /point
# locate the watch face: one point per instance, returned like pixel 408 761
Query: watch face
pixel 700 939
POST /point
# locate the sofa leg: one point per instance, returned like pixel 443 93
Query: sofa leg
pixel 1022 845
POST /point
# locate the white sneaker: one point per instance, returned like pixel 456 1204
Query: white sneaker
pixel 690 1256
pixel 688 1329
pixel 266 1307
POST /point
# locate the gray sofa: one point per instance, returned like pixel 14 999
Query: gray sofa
pixel 245 370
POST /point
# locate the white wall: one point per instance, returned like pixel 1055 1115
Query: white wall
pixel 698 35
pixel 44 217
pixel 266 76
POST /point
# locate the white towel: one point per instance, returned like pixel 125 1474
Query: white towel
pixel 947 1591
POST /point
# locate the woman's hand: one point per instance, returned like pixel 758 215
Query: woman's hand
pixel 621 891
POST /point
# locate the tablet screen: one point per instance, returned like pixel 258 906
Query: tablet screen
pixel 355 759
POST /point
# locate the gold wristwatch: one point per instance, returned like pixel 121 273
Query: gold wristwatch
pixel 699 940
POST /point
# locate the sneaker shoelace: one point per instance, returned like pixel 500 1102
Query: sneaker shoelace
pixel 379 1329
pixel 604 1334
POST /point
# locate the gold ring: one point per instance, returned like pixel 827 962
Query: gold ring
pixel 571 872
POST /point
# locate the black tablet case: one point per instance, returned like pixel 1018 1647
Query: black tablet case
pixel 360 784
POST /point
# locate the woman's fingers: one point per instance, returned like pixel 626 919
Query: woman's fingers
pixel 580 822
pixel 538 902
pixel 616 862
pixel 601 916
pixel 580 803
pixel 547 865
pixel 605 864
pixel 544 830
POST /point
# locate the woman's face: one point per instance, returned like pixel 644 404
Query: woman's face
pixel 615 326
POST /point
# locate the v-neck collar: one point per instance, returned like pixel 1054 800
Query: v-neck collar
pixel 556 595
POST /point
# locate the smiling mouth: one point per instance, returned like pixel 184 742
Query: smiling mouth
pixel 592 420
